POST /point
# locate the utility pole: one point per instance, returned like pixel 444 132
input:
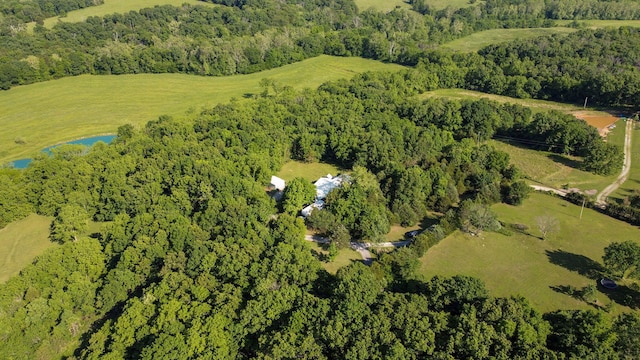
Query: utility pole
pixel 585 102
pixel 582 209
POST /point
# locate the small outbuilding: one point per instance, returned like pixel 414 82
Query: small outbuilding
pixel 277 183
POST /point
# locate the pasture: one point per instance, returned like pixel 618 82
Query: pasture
pixel 550 169
pixel 523 264
pixel 381 5
pixel 633 181
pixel 597 24
pixel 87 105
pixel 596 118
pixel 479 40
pixel 21 241
pixel 112 7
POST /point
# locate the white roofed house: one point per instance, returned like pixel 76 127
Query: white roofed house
pixel 277 183
pixel 324 185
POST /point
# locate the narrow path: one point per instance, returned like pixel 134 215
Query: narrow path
pixel 360 247
pixel 560 192
pixel 601 199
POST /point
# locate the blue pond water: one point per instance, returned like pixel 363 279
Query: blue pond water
pixel 23 163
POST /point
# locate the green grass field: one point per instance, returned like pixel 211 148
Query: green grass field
pixel 595 24
pixel 112 7
pixel 633 181
pixel 309 171
pixel 525 265
pixel 477 41
pixel 554 170
pixel 20 242
pixel 344 257
pixel 381 5
pixel 535 105
pixel 90 105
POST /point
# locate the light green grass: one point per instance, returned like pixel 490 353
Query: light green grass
pixel 535 105
pixel 441 4
pixel 381 5
pixel 344 258
pixel 479 40
pixel 596 24
pixel 112 7
pixel 520 264
pixel 20 242
pixel 309 171
pixel 554 170
pixel 633 181
pixel 56 111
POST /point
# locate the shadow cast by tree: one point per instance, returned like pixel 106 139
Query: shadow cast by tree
pixel 622 295
pixel 561 159
pixel 576 263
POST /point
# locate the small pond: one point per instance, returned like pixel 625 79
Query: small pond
pixel 90 141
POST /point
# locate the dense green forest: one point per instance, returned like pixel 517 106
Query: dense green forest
pixel 194 259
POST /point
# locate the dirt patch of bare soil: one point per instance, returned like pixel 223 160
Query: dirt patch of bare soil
pixel 601 122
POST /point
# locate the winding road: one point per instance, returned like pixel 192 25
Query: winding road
pixel 601 199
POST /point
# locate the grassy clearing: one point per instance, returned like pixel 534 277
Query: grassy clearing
pixel 550 169
pixel 381 5
pixel 90 105
pixel 441 4
pixel 633 181
pixel 479 40
pixel 525 265
pixel 20 242
pixel 535 105
pixel 309 171
pixel 596 24
pixel 344 258
pixel 112 7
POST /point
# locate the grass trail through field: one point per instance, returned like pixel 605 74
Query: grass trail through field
pixel 113 7
pixel 52 112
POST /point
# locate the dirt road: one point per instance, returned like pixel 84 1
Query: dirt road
pixel 601 199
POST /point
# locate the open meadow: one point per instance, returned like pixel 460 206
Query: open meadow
pixel 112 7
pixel 388 5
pixel 633 181
pixel 477 41
pixel 91 105
pixel 598 24
pixel 523 264
pixel 21 241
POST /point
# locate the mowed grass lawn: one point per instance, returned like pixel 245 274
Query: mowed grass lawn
pixel 550 169
pixel 525 265
pixel 51 112
pixel 20 242
pixel 479 40
pixel 309 171
pixel 114 6
pixel 633 181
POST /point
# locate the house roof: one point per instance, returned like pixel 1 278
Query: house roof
pixel 278 183
pixel 327 183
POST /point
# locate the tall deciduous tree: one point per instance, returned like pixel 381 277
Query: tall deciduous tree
pixel 623 259
pixel 299 192
pixel 69 223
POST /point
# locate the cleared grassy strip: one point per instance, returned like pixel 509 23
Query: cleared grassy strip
pixel 596 24
pixel 477 41
pixel 51 112
pixel 381 5
pixel 441 4
pixel 309 171
pixel 633 181
pixel 21 241
pixel 554 170
pixel 112 7
pixel 525 265
pixel 344 258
